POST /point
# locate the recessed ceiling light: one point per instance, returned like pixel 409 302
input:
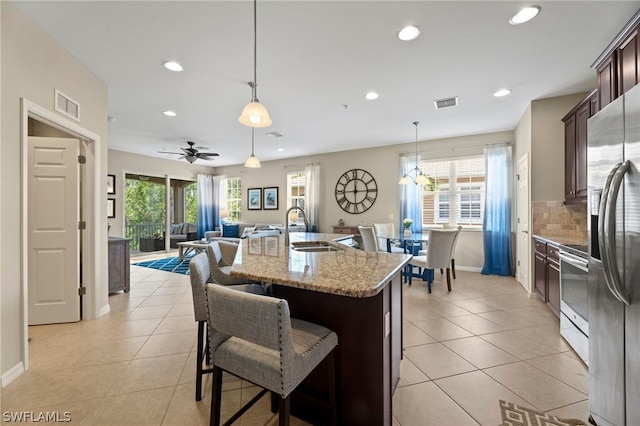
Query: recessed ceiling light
pixel 502 92
pixel 170 113
pixel 173 66
pixel 525 15
pixel 371 96
pixel 280 149
pixel 408 33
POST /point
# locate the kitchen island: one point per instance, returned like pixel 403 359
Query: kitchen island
pixel 356 294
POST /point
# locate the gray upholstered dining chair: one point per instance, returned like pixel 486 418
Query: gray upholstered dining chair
pixel 199 275
pixel 368 235
pixel 255 339
pixel 453 250
pixel 384 230
pixel 438 255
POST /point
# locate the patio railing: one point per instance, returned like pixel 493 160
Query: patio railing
pixel 142 230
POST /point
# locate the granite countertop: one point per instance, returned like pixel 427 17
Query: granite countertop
pixel 561 240
pixel 346 272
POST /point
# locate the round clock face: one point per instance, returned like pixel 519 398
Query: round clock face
pixel 356 191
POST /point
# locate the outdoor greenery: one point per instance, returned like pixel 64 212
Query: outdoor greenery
pixel 191 203
pixel 145 202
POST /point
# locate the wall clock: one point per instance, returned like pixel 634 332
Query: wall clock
pixel 356 191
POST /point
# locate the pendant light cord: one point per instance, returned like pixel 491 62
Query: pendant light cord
pixel 255 49
pixel 415 123
pixel 252 142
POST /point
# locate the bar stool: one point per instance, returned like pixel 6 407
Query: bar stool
pixel 254 338
pixel 199 274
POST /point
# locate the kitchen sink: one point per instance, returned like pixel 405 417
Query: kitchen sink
pixel 314 246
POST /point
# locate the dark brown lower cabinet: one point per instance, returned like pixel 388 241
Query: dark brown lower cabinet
pixel 118 264
pixel 547 274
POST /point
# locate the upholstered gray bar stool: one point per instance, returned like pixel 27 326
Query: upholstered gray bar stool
pixel 256 339
pixel 199 274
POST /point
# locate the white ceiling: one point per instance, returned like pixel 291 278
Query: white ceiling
pixel 317 60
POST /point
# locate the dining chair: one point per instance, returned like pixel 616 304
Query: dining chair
pixel 369 241
pixel 384 230
pixel 255 338
pixel 199 275
pixel 453 250
pixel 438 256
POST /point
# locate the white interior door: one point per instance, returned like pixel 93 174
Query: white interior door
pixel 522 213
pixel 53 236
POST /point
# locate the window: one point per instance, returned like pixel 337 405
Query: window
pixel 231 193
pixel 296 182
pixel 191 203
pixel 455 192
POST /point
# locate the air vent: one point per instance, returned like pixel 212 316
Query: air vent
pixel 447 102
pixel 274 134
pixel 67 106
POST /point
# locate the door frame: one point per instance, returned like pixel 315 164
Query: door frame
pixel 528 285
pixel 91 191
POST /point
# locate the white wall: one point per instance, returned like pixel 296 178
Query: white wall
pixel 33 65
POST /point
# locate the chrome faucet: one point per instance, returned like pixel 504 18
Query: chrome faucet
pixel 286 223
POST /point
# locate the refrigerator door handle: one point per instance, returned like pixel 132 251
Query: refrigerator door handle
pixel 610 234
pixel 602 244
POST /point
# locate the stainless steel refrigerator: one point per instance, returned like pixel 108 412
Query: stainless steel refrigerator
pixel 613 156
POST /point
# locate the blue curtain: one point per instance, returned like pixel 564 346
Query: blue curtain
pixel 497 211
pixel 410 197
pixel 208 206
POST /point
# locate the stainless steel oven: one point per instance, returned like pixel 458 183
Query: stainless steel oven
pixel 574 315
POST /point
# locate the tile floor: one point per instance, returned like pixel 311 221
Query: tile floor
pixel 486 340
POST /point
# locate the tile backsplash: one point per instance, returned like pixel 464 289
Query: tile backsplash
pixel 556 221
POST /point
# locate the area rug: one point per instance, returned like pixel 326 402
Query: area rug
pixel 169 264
pixel 517 415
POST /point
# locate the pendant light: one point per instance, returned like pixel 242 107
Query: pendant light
pixel 255 114
pixel 420 179
pixel 252 162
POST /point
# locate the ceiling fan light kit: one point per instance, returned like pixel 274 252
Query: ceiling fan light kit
pixel 255 114
pixel 191 154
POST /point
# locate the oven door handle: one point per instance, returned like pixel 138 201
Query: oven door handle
pixel 580 264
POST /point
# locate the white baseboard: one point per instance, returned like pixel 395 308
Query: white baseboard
pixel 468 268
pixel 12 374
pixel 104 310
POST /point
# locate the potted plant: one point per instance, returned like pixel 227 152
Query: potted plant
pixel 407 226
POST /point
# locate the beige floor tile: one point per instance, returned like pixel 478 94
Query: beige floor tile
pixel 425 404
pixel 112 351
pixel 163 291
pixel 413 336
pixel 149 373
pixel 141 291
pixel 507 320
pixel 410 374
pixel 135 408
pixel 476 325
pixel 181 309
pixel 133 328
pixel 480 353
pixel 547 335
pixel 536 315
pixel 542 391
pixel 518 345
pixel 167 299
pixel 474 306
pixel 570 371
pixel 177 324
pixel 167 344
pixel 436 360
pixel 579 410
pixel 146 312
pixel 444 309
pixel 442 329
pixel 483 406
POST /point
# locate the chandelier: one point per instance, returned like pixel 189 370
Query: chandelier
pixel 420 178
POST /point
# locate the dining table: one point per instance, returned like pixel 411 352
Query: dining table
pixel 411 244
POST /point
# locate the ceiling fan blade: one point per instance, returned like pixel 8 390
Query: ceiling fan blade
pixel 208 154
pixel 167 152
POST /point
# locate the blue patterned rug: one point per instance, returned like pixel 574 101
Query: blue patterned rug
pixel 169 264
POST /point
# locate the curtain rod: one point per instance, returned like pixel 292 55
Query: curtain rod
pixel 488 145
pixel 300 165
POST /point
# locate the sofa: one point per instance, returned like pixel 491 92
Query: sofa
pixel 180 232
pixel 237 231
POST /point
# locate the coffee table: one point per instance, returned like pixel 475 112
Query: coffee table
pixel 186 247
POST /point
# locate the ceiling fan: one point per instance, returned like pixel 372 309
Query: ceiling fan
pixel 191 154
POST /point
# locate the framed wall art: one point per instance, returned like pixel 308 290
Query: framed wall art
pixel 111 184
pixel 254 199
pixel 270 198
pixel 111 208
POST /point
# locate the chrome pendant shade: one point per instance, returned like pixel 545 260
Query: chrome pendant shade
pixel 255 114
pixel 420 178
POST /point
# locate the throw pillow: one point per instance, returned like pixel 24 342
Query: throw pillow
pixel 230 231
pixel 248 230
pixel 176 229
